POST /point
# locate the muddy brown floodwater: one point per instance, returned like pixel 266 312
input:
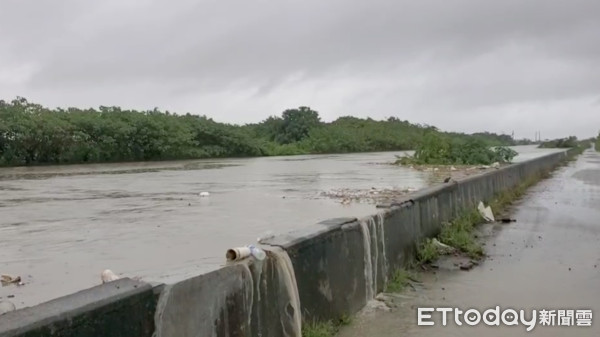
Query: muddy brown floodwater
pixel 549 259
pixel 61 226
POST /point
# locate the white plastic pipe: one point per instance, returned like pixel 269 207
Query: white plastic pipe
pixel 238 253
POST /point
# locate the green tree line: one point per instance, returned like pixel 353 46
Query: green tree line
pixel 568 142
pixel 33 134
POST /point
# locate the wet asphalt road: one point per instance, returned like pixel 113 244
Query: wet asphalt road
pixel 549 259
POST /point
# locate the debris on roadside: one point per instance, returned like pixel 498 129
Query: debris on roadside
pixel 466 267
pixel 376 305
pixel 507 220
pixel 442 248
pixel 486 212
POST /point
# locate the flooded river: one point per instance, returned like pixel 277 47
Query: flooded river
pixel 60 226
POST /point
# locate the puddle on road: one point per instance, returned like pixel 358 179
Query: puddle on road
pixel 589 176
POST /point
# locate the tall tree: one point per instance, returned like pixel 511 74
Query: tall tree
pixel 297 124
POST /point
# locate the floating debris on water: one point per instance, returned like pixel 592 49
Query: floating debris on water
pixel 345 196
pixel 8 280
pixel 108 276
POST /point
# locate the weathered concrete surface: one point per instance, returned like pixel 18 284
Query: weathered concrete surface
pixel 246 298
pixel 548 259
pixel 120 308
pixel 328 261
pixel 218 303
pixel 276 303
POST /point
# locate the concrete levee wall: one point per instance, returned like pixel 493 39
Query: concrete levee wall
pixel 320 272
pixel 122 308
pixel 248 298
pixel 349 261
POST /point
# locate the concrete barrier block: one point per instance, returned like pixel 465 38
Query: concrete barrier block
pixel 308 232
pixel 122 308
pixel 276 310
pixel 329 267
pixel 403 232
pixel 217 304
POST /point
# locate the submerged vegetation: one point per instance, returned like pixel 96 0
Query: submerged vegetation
pixel 570 142
pixel 560 143
pixel 33 134
pixel 439 149
pixel 598 143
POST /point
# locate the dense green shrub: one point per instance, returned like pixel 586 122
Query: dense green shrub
pixel 437 149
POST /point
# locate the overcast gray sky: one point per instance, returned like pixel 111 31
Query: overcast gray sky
pixel 461 65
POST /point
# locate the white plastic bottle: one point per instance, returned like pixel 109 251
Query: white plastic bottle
pixel 258 253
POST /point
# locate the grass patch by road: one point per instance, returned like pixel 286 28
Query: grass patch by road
pixel 427 252
pixel 324 329
pixel 319 329
pixel 399 280
pixel 459 234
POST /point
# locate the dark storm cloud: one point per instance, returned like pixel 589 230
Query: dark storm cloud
pixel 244 60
